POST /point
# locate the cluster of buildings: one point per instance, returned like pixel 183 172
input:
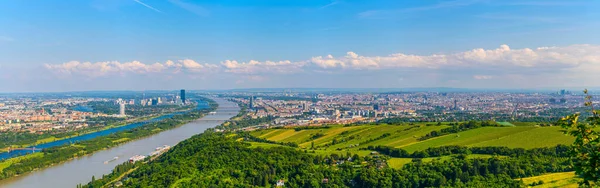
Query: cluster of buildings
pixel 33 113
pixel 310 108
pixel 176 99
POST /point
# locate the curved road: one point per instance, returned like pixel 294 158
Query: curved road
pixel 81 170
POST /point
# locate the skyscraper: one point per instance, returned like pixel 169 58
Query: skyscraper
pixel 455 104
pixel 122 109
pixel 182 94
pixel 251 102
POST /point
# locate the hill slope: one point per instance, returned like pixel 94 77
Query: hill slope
pixel 347 138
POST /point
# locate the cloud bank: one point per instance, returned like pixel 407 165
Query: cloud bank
pixel 502 59
pixel 99 69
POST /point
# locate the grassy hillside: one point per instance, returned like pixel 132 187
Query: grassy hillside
pixel 513 137
pixel 351 138
pixel 339 139
pixel 561 179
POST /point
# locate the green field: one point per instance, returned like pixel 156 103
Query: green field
pixel 400 162
pixel 562 179
pixel 525 123
pixel 351 138
pixel 504 123
pixel 8 162
pixel 120 140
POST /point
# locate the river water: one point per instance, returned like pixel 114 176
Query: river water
pixel 28 150
pixel 81 170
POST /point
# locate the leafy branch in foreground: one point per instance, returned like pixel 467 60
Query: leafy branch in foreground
pixel 585 151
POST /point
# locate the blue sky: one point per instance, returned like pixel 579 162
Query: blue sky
pixel 170 44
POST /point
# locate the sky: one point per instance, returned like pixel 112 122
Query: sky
pixel 81 45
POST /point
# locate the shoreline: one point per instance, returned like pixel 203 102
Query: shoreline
pixel 135 120
pixel 183 122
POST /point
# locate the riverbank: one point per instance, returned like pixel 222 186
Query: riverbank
pixel 91 130
pixel 60 154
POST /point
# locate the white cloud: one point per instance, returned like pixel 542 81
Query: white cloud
pixel 482 77
pixel 483 63
pixel 254 67
pixel 114 67
pixel 191 64
pixel 500 58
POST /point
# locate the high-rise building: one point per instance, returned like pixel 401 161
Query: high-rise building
pixel 154 102
pixel 455 104
pixel 251 102
pixel 376 107
pixel 122 109
pixel 182 94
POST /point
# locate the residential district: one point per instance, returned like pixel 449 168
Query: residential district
pixel 291 109
pixel 36 113
pixel 41 113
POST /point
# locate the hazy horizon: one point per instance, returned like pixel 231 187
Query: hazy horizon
pixel 574 90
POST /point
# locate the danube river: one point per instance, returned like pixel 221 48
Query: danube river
pixel 81 170
pixel 31 149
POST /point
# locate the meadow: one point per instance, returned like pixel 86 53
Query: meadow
pixel 8 162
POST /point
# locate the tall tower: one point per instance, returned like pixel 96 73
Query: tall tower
pixel 251 102
pixel 122 109
pixel 182 95
pixel 455 104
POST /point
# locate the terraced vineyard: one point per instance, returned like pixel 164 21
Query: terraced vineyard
pixel 340 137
pixel 561 179
pixel 343 139
pixel 513 137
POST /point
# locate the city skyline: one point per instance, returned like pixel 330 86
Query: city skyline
pixel 122 45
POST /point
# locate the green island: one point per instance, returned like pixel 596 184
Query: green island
pixel 50 156
pixel 466 154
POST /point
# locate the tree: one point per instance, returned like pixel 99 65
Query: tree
pixel 585 151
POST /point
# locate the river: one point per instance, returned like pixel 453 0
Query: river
pixel 81 170
pixel 28 150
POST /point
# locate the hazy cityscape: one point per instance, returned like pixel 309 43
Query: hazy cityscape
pixel 35 114
pixel 299 93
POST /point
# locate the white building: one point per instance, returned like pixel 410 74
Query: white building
pixel 122 109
